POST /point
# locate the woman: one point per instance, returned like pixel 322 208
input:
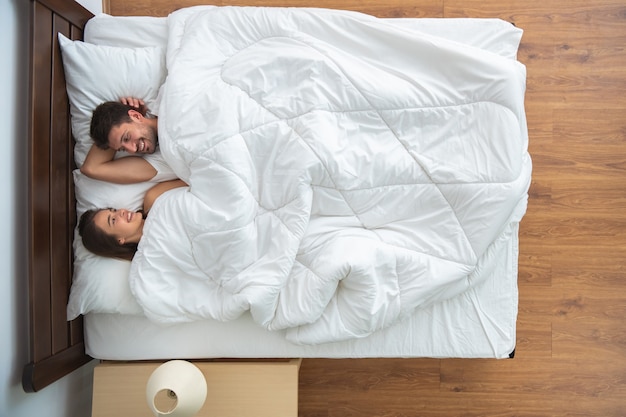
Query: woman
pixel 115 233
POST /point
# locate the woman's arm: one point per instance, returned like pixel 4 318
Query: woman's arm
pixel 101 165
pixel 153 193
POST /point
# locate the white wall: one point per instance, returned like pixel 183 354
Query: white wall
pixel 94 6
pixel 71 396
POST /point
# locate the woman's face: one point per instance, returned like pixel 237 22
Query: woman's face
pixel 125 225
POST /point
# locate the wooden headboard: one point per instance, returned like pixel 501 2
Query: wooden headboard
pixel 56 346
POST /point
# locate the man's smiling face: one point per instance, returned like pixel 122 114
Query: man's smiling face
pixel 138 136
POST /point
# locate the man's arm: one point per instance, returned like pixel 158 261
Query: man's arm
pixel 101 165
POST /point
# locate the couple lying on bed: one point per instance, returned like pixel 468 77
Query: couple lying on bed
pixel 121 126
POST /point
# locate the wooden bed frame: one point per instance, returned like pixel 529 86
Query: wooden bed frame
pixel 56 346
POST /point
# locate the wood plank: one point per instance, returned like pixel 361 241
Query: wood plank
pixel 559 376
pixel 591 268
pixel 356 374
pixel 40 374
pixel 534 337
pixel 535 265
pixel 76 325
pixel 76 14
pixel 395 8
pixel 576 131
pixel 593 336
pixel 60 244
pixel 39 149
pixel 362 381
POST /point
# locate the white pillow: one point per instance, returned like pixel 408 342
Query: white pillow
pixel 98 73
pixel 95 74
pixel 94 194
pixel 129 31
pixel 100 285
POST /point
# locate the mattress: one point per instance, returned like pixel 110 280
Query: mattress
pixel 480 323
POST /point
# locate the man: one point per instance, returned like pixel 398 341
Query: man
pixel 124 126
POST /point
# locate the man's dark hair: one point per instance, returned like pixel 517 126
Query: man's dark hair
pixel 105 117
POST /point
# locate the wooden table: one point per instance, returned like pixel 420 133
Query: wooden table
pixel 234 388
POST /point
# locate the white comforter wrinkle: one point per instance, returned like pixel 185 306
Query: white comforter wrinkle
pixel 343 172
pixel 417 161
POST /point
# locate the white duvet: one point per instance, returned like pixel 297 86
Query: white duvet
pixel 343 172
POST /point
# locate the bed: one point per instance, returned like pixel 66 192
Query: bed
pixel 473 319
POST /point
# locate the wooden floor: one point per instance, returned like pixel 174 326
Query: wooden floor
pixel 571 350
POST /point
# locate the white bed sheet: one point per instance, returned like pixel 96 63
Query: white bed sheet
pixel 480 323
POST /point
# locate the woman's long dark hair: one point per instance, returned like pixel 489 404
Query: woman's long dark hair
pixel 100 243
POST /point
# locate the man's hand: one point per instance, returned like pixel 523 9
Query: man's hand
pixel 136 103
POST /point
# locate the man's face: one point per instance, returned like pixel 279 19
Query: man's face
pixel 134 137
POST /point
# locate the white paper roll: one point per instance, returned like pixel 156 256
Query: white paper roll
pixel 185 381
